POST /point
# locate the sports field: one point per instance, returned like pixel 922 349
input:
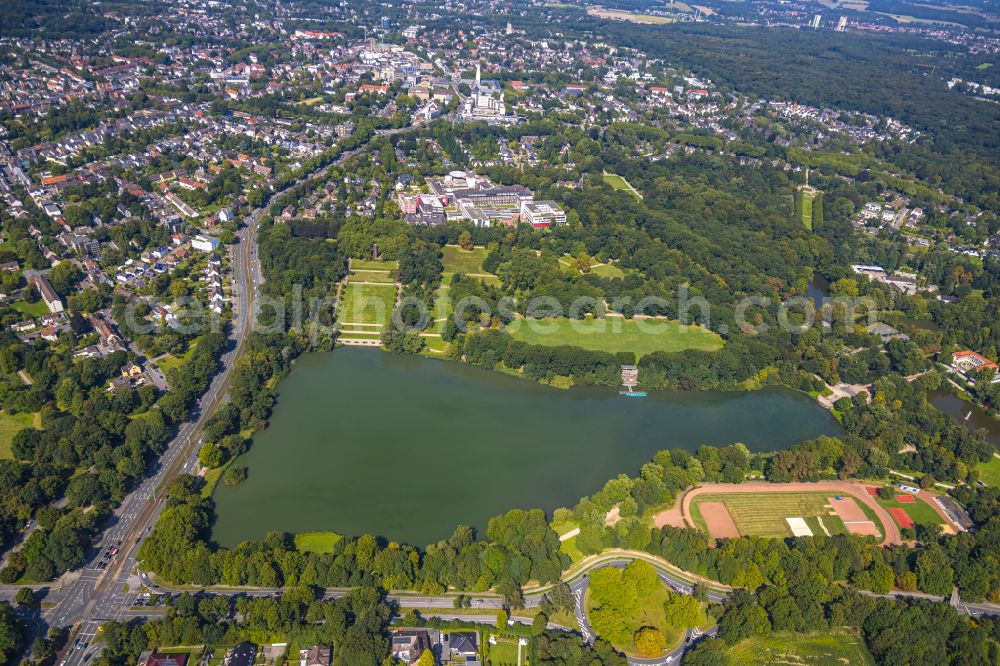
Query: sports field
pixel 835 647
pixel 764 514
pixel 916 508
pixel 614 334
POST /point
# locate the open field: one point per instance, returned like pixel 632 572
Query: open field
pixel 10 424
pixel 615 334
pixel 366 304
pixel 619 183
pixel 316 542
pixel 836 647
pixel 619 15
pixel 759 514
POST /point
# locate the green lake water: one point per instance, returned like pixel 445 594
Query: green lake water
pixel 407 448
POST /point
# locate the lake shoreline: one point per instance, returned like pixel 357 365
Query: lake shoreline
pixel 536 448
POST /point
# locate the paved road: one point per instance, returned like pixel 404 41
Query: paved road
pixel 96 594
pixel 579 589
pixel 99 594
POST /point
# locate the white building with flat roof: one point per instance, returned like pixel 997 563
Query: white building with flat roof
pixel 542 213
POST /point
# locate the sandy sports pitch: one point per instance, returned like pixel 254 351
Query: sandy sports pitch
pixel 720 523
pixel 854 518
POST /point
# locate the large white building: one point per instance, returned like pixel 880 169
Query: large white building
pixel 542 213
pixel 205 243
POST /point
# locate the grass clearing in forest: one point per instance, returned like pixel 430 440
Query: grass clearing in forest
pixel 10 425
pixel 614 334
pixel 467 262
pixel 619 183
pixel 807 210
pixel 834 647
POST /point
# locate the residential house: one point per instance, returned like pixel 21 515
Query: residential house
pixel 161 659
pixel 461 645
pixel 407 646
pixel 49 295
pixel 317 655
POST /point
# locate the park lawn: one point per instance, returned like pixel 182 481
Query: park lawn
pixel 457 260
pixel 366 304
pixel 435 346
pixel 920 512
pixel 607 271
pixel 316 542
pixel 763 514
pixel 212 477
pixel 37 309
pixel 361 334
pixel 807 210
pixel 569 547
pixel 601 270
pixel 371 276
pixel 373 265
pixel 618 183
pixel 504 652
pixel 834 647
pixel 989 472
pixel 614 334
pixel 441 311
pixel 10 424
